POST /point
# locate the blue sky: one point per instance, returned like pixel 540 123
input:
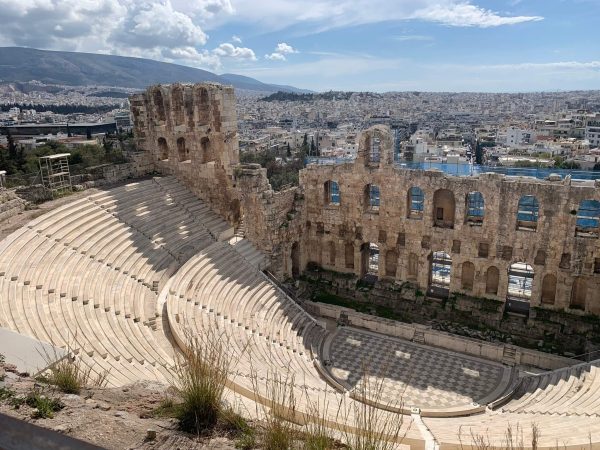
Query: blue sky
pixel 377 45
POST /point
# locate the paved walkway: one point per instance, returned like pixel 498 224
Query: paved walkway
pixel 401 373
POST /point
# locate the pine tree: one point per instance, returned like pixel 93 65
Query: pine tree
pixel 313 149
pixel 289 150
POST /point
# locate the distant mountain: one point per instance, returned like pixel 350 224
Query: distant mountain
pixel 18 64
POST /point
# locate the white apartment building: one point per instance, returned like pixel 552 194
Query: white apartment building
pixel 592 132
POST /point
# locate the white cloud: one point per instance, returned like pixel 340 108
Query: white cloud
pixel 231 51
pixel 236 39
pixel 284 48
pixel 275 57
pixel 468 15
pixel 158 25
pixel 281 50
pixel 321 15
pixel 413 37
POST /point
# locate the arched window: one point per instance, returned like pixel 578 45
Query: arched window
pixel 475 208
pixel 372 197
pixel 548 289
pixel 588 218
pixel 163 149
pixel 468 275
pixel 578 294
pixel 527 214
pixel 332 193
pixel 182 151
pixel 492 278
pixel 375 150
pixel 415 202
pixel 443 208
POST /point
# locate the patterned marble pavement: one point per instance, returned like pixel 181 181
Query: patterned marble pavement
pixel 401 373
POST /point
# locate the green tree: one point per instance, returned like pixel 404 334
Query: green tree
pixel 289 150
pixel 313 149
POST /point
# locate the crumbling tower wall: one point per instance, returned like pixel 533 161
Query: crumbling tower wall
pixel 190 131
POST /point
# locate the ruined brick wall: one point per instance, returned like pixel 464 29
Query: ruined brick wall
pixel 334 233
pixel 190 131
pixel 10 204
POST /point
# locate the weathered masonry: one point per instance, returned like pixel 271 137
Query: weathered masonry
pixel 520 240
pixel 525 241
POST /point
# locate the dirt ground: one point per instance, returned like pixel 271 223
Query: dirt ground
pixel 115 418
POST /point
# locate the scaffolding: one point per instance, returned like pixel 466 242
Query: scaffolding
pixel 2 178
pixel 54 170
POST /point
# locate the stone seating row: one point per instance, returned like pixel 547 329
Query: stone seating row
pixel 492 430
pixel 267 334
pixel 86 276
pixel 572 390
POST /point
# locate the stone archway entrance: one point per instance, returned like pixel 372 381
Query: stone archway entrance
pixel 439 275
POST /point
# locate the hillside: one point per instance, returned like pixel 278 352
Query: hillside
pixel 19 64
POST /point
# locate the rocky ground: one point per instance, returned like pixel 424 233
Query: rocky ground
pixel 115 418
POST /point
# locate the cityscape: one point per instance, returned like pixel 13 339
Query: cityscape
pixel 298 225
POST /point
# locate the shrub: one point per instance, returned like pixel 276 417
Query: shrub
pixel 45 406
pixel 200 378
pixel 70 375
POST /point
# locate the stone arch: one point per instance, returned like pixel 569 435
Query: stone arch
pixel 295 256
pixel 369 253
pixel 331 193
pixel 588 218
pixel 415 200
pixel 182 150
pixel 444 206
pixel 475 208
pixel 578 293
pixel 492 279
pixel 391 263
pixel 163 149
pixel 528 213
pixel 372 197
pixel 413 266
pixel 440 274
pixel 467 275
pixel 159 105
pixel 374 148
pixel 349 255
pixel 548 289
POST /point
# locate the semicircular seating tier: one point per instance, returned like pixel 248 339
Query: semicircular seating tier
pixel 87 275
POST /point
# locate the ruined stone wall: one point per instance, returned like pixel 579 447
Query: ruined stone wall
pixel 190 131
pixel 10 204
pixel 406 243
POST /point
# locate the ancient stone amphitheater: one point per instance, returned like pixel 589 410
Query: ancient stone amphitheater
pixel 124 276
